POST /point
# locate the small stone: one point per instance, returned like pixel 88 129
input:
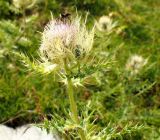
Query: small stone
pixel 26 132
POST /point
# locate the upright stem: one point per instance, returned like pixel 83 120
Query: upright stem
pixel 73 105
pixel 73 108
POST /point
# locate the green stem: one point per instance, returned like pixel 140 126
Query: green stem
pixel 73 105
pixel 73 108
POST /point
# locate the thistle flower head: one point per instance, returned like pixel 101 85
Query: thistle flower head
pixel 65 40
pixel 135 63
pixel 105 23
pixel 23 3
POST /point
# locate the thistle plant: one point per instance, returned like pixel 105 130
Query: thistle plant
pixel 65 51
pixel 64 45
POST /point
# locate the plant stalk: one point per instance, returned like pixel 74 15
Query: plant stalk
pixel 73 108
pixel 73 105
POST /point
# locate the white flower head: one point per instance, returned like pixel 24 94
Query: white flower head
pixel 135 63
pixel 23 3
pixel 66 40
pixel 105 23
